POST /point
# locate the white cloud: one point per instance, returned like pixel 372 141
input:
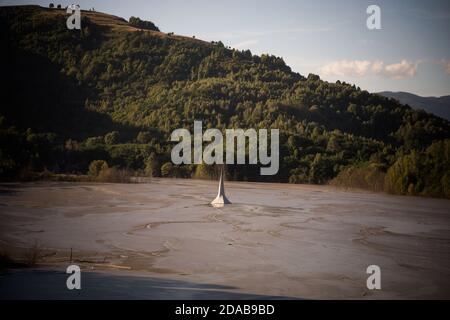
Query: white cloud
pixel 400 70
pixel 346 68
pixel 361 68
pixel 245 44
pixel 445 65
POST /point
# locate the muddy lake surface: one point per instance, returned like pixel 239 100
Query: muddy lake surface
pixel 163 240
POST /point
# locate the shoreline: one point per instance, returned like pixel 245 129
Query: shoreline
pixel 80 178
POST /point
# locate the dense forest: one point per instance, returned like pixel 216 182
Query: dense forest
pixel 115 90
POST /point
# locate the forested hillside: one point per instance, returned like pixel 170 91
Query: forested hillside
pixel 114 92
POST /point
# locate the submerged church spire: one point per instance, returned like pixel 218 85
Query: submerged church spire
pixel 221 198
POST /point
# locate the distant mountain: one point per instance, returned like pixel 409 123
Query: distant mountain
pixel 439 106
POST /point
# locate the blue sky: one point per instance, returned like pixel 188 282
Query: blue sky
pixel 330 38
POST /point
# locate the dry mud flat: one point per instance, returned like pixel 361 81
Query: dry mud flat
pixel 274 240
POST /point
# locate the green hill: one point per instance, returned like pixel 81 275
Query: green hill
pixel 114 92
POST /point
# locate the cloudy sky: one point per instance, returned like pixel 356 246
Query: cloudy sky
pixel 410 53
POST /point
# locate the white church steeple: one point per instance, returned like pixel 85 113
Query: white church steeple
pixel 221 198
